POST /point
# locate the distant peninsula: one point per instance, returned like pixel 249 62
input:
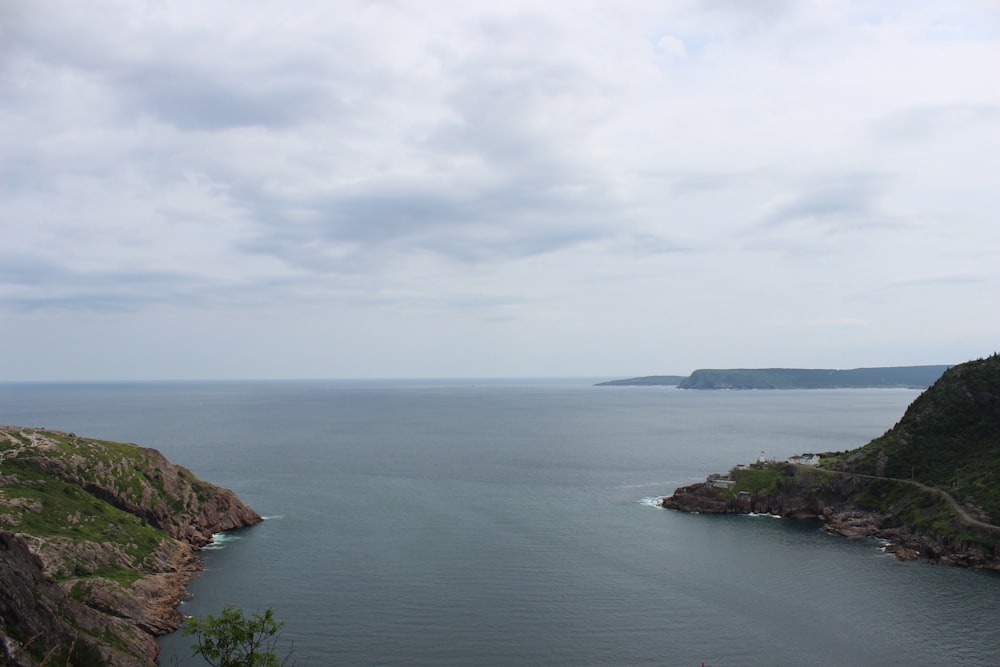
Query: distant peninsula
pixel 929 485
pixel 648 380
pixel 97 545
pixel 916 377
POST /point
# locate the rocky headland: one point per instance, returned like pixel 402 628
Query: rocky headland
pixel 98 541
pixel 930 486
pixel 828 501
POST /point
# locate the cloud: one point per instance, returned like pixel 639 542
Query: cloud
pixel 833 204
pixel 509 219
pixel 924 123
pixel 673 46
pixel 964 278
pixel 538 165
pixel 31 285
pixel 191 100
pixel 757 16
pixel 838 323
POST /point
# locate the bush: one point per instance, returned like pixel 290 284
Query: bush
pixel 234 640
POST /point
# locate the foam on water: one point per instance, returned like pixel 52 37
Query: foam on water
pixel 651 501
pixel 219 541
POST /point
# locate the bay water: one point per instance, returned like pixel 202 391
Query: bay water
pixel 512 522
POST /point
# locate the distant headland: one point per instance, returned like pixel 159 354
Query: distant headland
pixel 915 377
pixel 648 380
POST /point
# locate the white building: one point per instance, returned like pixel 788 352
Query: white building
pixel 805 459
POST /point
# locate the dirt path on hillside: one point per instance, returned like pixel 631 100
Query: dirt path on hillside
pixel 962 513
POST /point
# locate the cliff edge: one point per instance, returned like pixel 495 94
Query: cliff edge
pixel 97 544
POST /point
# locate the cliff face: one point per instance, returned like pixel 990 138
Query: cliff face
pixel 97 542
pixel 800 494
pixel 86 621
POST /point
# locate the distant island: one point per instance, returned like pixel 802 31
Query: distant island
pixel 97 545
pixel 929 485
pixel 916 377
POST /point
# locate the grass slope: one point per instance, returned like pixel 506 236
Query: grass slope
pixel 949 438
pixel 36 499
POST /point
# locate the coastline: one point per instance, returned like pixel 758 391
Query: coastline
pixel 833 503
pixel 102 538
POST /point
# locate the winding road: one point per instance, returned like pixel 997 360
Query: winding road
pixel 962 513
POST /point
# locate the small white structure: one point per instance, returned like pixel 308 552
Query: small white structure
pixel 720 481
pixel 806 459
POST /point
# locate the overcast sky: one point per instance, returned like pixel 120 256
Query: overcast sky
pixel 351 189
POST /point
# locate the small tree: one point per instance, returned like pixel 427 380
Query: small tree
pixel 234 640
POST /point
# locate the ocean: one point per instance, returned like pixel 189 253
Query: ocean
pixel 512 522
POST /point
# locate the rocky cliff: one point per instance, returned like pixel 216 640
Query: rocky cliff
pixel 97 543
pixel 831 500
pixel 929 485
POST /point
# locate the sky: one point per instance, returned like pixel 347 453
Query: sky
pixel 397 189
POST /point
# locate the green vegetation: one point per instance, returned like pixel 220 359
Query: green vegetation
pixel 803 378
pixel 80 653
pixel 234 640
pixel 945 447
pixel 932 481
pixel 128 471
pixel 760 480
pixel 949 439
pixel 777 477
pixel 925 512
pixel 46 507
pixel 84 520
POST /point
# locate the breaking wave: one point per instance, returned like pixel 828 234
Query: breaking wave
pixel 219 541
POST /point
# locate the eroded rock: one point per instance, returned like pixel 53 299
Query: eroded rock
pixel 56 597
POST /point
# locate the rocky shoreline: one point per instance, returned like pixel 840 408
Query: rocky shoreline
pixel 830 504
pixel 77 583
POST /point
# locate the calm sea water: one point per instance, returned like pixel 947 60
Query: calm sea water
pixel 510 523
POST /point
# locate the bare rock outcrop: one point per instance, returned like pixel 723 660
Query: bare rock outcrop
pixel 833 501
pixel 142 482
pixel 98 541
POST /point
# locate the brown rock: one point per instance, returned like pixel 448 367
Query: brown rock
pixel 47 609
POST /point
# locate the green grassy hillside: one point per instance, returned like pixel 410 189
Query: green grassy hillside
pixel 949 438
